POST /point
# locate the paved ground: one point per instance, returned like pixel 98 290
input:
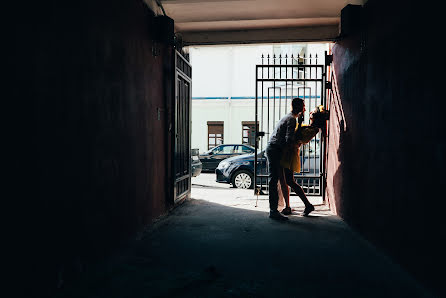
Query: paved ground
pixel 205 188
pixel 219 244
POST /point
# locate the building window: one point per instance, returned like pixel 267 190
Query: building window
pixel 215 133
pixel 249 133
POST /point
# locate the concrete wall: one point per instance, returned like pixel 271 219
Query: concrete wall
pixel 94 170
pixel 225 71
pixel 232 113
pixel 387 150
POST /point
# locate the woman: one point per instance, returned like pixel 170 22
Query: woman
pixel 291 159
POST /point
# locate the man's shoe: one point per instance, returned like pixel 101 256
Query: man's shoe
pixel 286 211
pixel 307 210
pixel 277 215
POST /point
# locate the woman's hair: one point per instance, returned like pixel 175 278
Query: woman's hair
pixel 297 105
pixel 319 118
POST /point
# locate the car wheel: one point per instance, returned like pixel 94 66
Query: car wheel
pixel 243 179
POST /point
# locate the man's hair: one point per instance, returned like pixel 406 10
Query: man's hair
pixel 297 105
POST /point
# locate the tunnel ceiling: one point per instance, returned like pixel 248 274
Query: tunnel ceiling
pixel 254 21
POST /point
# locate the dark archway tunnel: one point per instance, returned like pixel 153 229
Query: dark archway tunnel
pixel 92 96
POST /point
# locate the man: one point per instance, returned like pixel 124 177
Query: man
pixel 283 136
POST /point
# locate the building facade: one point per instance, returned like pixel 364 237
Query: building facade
pixel 223 90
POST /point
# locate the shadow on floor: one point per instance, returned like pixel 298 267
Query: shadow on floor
pixel 205 249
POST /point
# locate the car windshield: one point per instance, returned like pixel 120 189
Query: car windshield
pixel 213 150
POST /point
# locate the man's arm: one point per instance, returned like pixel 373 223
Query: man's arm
pixel 290 128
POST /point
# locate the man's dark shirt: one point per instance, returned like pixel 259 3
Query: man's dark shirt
pixel 283 134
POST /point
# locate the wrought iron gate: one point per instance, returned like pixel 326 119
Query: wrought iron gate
pixel 182 154
pixel 278 81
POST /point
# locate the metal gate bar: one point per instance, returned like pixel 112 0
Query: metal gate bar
pixel 298 77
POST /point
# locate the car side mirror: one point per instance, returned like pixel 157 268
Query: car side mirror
pixel 211 152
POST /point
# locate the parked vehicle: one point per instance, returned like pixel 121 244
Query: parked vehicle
pixel 213 157
pixel 239 170
pixel 196 166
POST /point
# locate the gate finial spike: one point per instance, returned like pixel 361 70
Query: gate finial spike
pixel 316 58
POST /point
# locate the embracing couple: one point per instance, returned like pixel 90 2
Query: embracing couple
pixel 282 152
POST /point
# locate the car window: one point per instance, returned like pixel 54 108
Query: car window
pixel 217 150
pixel 242 149
pixel 227 149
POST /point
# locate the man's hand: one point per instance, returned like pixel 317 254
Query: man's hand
pixel 300 118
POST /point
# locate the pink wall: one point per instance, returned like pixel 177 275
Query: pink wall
pixel 336 127
pixel 386 151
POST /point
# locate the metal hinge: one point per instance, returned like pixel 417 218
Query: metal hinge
pixel 328 85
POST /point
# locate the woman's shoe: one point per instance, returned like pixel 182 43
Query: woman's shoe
pixel 307 210
pixel 286 211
